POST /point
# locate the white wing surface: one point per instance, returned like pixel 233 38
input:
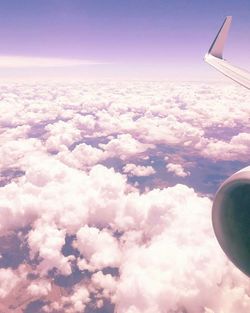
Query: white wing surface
pixel 215 57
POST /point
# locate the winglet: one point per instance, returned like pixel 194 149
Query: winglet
pixel 218 44
pixel 214 57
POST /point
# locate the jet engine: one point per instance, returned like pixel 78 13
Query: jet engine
pixel 231 218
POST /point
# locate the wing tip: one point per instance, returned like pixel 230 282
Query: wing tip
pixel 218 44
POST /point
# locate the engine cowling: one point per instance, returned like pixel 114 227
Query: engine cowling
pixel 231 218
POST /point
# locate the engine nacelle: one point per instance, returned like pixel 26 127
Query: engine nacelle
pixel 231 218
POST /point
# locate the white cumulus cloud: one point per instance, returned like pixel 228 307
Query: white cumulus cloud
pixel 177 169
pixel 86 237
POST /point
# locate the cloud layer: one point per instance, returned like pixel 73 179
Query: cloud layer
pixel 98 192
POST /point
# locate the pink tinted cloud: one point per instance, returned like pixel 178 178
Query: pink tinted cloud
pixel 151 251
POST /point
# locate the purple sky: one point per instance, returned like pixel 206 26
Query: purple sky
pixel 138 38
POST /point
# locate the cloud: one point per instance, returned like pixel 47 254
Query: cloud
pixel 75 303
pixel 124 146
pixel 81 156
pixel 99 248
pixel 138 170
pixel 47 241
pixel 174 270
pixel 39 289
pixel 177 169
pixel 236 149
pixel 30 62
pixel 8 280
pixel 85 191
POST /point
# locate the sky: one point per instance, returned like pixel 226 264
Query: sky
pixel 128 39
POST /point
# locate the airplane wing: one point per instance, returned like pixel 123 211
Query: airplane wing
pixel 214 57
